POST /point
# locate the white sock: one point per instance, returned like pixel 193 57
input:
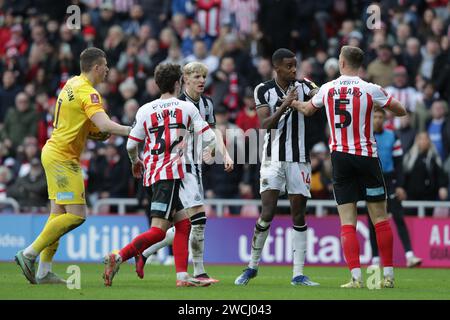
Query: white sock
pixel 167 241
pixel 182 275
pixel 259 238
pixel 197 246
pixel 43 269
pixel 388 272
pixel 299 249
pixel 409 255
pixel 376 260
pixel 30 253
pixel 356 273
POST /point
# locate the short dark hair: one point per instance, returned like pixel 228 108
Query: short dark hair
pixel 281 54
pixel 166 75
pixel 89 57
pixel 354 56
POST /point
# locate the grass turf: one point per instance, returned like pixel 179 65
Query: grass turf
pixel 273 282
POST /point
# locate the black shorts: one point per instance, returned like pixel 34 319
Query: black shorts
pixel 357 178
pixel 164 198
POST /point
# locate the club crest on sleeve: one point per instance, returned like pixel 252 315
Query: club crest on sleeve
pixel 95 98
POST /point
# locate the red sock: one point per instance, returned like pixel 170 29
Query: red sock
pixel 181 245
pixel 385 242
pixel 350 246
pixel 142 242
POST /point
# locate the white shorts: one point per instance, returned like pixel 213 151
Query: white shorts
pixel 191 191
pixel 293 177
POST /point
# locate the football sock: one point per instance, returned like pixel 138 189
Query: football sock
pixel 167 241
pixel 197 242
pixel 350 247
pixel 260 234
pixel 409 254
pixel 299 249
pixel 46 256
pixel 53 230
pixel 385 245
pixel 181 245
pixel 141 242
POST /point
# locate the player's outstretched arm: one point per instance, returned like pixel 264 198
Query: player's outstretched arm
pixel 228 163
pixel 105 124
pixel 396 108
pixel 306 107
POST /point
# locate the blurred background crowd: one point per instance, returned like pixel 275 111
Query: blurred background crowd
pixel 407 53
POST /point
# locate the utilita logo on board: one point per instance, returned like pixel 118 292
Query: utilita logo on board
pixel 320 249
pixel 99 241
pixel 439 242
pixel 11 241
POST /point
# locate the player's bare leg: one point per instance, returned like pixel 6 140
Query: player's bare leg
pixel 350 245
pixel 378 215
pixel 298 210
pixel 269 199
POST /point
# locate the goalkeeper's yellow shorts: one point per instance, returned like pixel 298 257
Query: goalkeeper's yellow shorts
pixel 64 178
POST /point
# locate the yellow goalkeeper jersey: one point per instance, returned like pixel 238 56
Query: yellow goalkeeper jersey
pixel 77 102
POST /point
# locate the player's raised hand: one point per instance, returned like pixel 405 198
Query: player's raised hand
pixel 137 168
pixel 292 95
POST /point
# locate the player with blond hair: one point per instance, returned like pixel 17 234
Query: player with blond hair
pixel 191 192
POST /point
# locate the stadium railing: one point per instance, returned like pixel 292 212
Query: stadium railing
pixel 9 203
pixel 220 204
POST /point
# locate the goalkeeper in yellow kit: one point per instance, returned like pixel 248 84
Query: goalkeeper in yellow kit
pixel 78 115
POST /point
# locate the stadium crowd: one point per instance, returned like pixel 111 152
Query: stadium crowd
pixel 407 53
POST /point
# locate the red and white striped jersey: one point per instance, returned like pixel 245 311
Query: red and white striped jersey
pixel 208 16
pixel 349 103
pixel 163 125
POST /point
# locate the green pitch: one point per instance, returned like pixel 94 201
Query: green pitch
pixel 271 283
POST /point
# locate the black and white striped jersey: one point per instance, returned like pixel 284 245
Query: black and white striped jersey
pixel 289 142
pixel 194 152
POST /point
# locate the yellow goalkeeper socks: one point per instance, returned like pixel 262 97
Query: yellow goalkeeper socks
pixel 53 230
pixel 48 253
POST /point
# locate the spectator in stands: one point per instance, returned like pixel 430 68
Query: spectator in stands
pixel 438 128
pixel 109 174
pixel 8 92
pixel 380 71
pixel 175 56
pixel 128 90
pixel 26 152
pixel 321 186
pixel 201 55
pixel 151 92
pixel 30 190
pixel 132 26
pixel 129 112
pixel 131 63
pixel 424 177
pixel 412 58
pixel 400 90
pixel 229 188
pixel 227 87
pixel 242 60
pixel 247 117
pixel 277 20
pixel 5 179
pixel 265 70
pixel 193 34
pixel 157 12
pixel 406 132
pixel 151 56
pixel 429 53
pixel 113 44
pixel 20 122
pixel 106 21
